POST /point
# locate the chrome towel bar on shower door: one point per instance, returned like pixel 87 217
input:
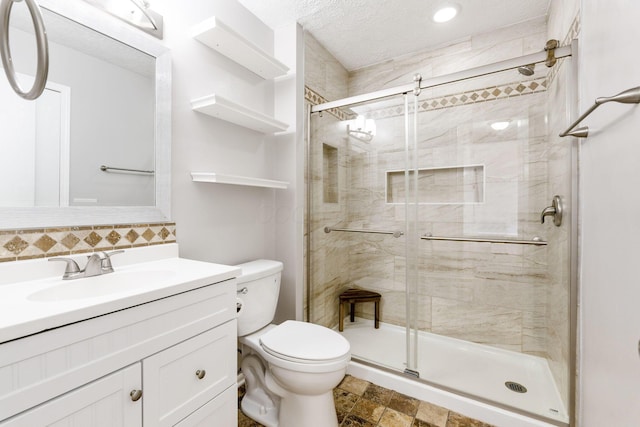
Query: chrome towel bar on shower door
pixel 536 241
pixel 394 233
pixel 42 70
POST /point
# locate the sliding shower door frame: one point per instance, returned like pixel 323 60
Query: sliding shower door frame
pixel 496 67
pixel 569 51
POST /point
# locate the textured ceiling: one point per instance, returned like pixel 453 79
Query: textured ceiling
pixel 364 32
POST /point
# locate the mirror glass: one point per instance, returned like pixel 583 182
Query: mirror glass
pixel 96 116
pixel 108 103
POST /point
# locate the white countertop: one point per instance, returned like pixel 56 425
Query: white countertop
pixel 22 313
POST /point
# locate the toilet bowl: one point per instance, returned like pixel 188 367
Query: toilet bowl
pixel 290 369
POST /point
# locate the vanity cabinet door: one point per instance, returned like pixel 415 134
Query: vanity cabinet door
pixel 181 379
pixel 106 402
pixel 221 411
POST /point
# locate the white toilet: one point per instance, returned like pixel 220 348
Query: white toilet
pixel 291 368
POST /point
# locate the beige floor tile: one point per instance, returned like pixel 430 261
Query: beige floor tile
pixel 433 414
pixel 405 404
pixel 391 418
pixel 368 410
pixel 378 394
pixel 459 420
pixel 354 385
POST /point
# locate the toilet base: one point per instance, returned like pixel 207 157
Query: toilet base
pixel 309 411
pixel 308 398
pixel 257 403
pixel 268 403
pixel 254 409
pixel 293 411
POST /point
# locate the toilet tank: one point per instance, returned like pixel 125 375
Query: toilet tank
pixel 258 290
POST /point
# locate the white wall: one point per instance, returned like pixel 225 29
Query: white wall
pixel 218 223
pixel 609 388
pixel 289 166
pixel 225 223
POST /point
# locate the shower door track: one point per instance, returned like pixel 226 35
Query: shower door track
pixel 561 52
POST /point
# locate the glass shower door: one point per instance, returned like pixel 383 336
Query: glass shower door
pixel 491 308
pixel 437 208
pixel 358 225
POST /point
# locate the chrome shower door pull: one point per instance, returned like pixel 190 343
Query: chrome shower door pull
pixel 555 210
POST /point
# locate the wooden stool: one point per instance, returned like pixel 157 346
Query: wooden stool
pixel 352 296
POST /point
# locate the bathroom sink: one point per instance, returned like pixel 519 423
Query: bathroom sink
pixel 101 286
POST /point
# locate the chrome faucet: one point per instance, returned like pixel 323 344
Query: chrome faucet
pixel 98 263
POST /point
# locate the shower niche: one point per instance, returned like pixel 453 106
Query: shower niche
pixel 438 185
pixel 329 174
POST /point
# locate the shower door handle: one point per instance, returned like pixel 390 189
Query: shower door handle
pixel 555 210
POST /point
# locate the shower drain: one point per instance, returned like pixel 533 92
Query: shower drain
pixel 513 386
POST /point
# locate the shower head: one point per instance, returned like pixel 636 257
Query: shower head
pixel 526 70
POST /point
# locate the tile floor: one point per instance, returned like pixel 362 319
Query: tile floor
pixel 360 403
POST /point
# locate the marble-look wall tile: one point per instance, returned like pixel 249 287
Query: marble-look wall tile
pixel 562 14
pixel 479 50
pixel 496 326
pixel 323 72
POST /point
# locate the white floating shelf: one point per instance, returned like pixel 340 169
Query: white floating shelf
pixel 221 108
pixel 217 178
pixel 220 37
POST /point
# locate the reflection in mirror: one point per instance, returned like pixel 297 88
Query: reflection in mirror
pixel 98 109
pixel 107 103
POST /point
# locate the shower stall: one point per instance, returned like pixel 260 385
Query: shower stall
pixel 432 196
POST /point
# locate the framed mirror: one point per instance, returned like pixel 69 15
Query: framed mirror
pixel 95 148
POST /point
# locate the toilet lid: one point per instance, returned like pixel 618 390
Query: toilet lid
pixel 295 340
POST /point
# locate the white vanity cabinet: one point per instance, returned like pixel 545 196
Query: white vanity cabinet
pixel 179 351
pixel 102 403
pixel 181 379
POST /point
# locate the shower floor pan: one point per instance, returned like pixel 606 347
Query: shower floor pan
pixel 473 369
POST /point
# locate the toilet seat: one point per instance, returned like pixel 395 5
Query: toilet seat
pixel 286 352
pixel 304 342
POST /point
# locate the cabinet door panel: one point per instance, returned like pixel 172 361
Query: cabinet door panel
pixel 172 388
pixel 102 403
pixel 219 412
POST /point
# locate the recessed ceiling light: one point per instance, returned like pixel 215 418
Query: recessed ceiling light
pixel 445 14
pixel 499 125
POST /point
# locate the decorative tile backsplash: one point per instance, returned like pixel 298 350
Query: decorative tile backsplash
pixel 18 245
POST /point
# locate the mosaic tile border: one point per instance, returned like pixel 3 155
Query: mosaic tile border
pixel 315 98
pixel 574 31
pixel 17 245
pixel 492 93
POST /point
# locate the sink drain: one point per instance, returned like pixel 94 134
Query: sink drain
pixel 513 386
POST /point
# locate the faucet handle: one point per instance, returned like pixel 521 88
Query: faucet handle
pixel 555 210
pixel 106 260
pixel 108 254
pixel 71 269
